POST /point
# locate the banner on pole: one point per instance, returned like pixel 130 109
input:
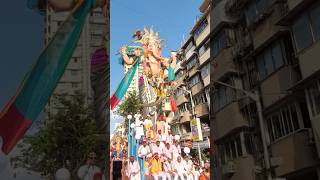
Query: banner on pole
pixel 196 129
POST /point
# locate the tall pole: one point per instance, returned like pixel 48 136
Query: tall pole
pixel 263 134
pixel 193 116
pixel 129 119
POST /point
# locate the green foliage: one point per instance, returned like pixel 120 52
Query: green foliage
pixel 62 141
pixel 131 105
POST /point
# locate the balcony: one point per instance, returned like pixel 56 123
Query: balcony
pixel 185 117
pixel 265 29
pixel 202 110
pixel 309 60
pixel 204 6
pixel 196 88
pixel 243 45
pixel 193 70
pixel 296 152
pixel 190 52
pixel 186 136
pixel 224 64
pixel 181 99
pixel 294 5
pixel 206 81
pixel 276 86
pixel 240 168
pixel 219 16
pixel 204 57
pixel 205 33
pixel 228 119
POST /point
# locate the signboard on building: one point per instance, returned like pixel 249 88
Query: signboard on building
pixel 202 144
pixel 196 129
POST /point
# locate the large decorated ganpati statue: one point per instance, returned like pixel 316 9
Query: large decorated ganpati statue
pixel 157 69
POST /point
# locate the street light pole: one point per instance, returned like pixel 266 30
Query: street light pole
pixel 256 97
pixel 193 116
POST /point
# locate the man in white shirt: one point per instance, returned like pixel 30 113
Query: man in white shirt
pixel 87 171
pixel 176 150
pixel 170 137
pixel 167 151
pixel 179 169
pixel 145 146
pixel 157 148
pixel 189 168
pixel 133 172
pixel 167 169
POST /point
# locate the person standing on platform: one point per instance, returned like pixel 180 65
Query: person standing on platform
pixel 134 169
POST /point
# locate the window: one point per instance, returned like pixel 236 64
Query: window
pixel 270 60
pixel 284 121
pixel 205 70
pixel 306 29
pixel 204 47
pixel 191 63
pixel 201 28
pixel 251 76
pixel 315 20
pixel 254 9
pixel 301 31
pixel 190 45
pixel 222 96
pixel 194 80
pixel 185 127
pixel 179 92
pixel 313 97
pixel 75 85
pixel 233 148
pixel 219 43
pixel 74 72
pixel 199 99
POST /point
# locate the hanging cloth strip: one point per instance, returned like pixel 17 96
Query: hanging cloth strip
pixel 40 82
pixel 126 81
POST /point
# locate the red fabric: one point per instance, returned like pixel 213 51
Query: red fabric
pixel 173 104
pixel 13 126
pixel 113 102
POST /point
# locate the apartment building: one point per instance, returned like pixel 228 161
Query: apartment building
pixel 76 77
pixel 270 48
pixel 193 79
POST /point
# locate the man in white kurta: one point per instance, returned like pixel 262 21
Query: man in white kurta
pixel 133 172
pixel 157 148
pixel 145 146
pixel 179 169
pixel 167 151
pixel 189 168
pixel 167 169
pixel 176 150
pixel 87 171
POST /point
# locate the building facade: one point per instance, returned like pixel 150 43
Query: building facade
pixel 269 48
pixel 76 78
pixel 193 80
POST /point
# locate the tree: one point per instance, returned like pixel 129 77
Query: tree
pixel 62 141
pixel 131 105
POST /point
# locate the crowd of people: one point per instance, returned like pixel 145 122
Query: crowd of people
pixel 160 155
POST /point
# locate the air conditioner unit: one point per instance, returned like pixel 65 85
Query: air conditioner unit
pixel 229 168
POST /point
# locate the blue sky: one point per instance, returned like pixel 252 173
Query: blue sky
pixel 172 19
